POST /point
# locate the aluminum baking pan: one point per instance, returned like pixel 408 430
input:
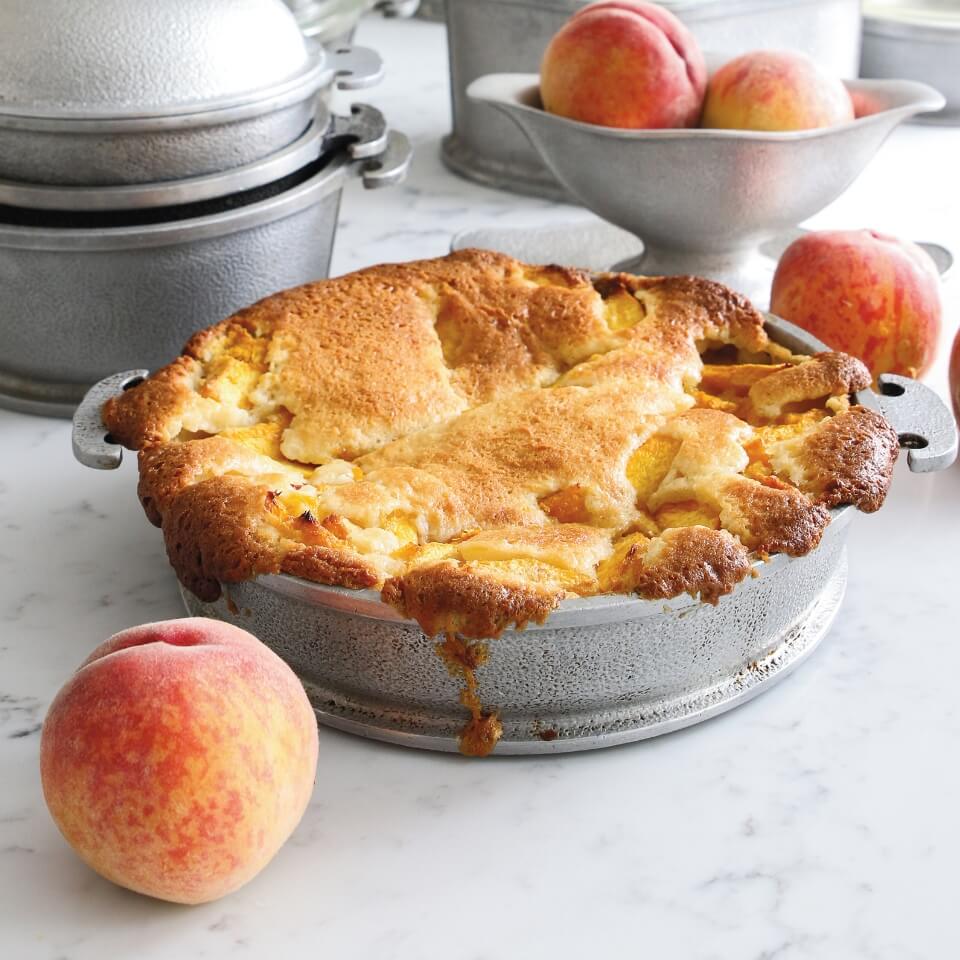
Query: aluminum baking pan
pixel 919 40
pixel 599 671
pixel 494 36
pixel 77 302
pixel 704 201
pixel 334 21
pixel 140 91
pixel 364 130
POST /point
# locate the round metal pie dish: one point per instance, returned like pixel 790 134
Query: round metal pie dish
pixel 600 670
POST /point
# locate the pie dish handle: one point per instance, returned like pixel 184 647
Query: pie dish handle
pixel 92 445
pixel 924 424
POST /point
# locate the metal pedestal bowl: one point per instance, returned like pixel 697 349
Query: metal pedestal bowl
pixel 494 36
pixel 601 670
pixel 704 201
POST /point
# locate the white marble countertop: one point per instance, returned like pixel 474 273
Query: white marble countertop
pixel 818 821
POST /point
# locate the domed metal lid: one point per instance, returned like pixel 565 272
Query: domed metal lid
pixel 98 59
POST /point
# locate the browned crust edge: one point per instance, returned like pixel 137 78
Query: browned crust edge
pixel 850 459
pixel 693 560
pixel 215 532
pixel 449 599
pixel 777 519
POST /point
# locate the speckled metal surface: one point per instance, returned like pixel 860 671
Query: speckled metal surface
pixel 488 36
pixel 78 304
pixel 109 57
pixel 738 189
pixel 575 687
pixel 364 129
pixel 143 148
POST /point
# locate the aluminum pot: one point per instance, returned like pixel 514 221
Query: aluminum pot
pixel 334 21
pixel 364 130
pixel 600 671
pixel 128 288
pixel 496 36
pixel 139 91
pixel 919 40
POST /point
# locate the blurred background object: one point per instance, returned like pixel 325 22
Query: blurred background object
pixel 334 21
pixel 917 40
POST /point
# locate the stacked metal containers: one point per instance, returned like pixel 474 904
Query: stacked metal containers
pixel 162 165
pixel 496 36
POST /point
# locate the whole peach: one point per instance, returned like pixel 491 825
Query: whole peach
pixel 179 757
pixel 865 293
pixel 624 64
pixel 774 90
pixel 955 376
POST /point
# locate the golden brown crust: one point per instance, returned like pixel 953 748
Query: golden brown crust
pixel 149 413
pixel 694 560
pixel 850 459
pixel 824 375
pixel 484 437
pixel 772 517
pixel 219 530
pixel 449 599
pixel 168 469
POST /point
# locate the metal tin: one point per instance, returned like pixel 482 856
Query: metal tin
pixel 919 40
pixel 76 303
pixel 334 21
pixel 365 129
pixel 601 670
pixel 139 91
pixel 703 201
pixel 493 36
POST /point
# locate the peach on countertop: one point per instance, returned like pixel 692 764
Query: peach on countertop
pixel 179 757
pixel 869 294
pixel 954 374
pixel 624 64
pixel 774 90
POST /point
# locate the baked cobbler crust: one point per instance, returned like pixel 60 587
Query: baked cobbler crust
pixel 480 439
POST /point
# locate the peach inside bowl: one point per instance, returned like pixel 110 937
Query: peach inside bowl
pixel 704 200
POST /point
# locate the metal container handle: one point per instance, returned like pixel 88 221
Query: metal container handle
pixel 924 425
pixel 364 128
pixel 391 166
pixel 92 445
pixel 355 68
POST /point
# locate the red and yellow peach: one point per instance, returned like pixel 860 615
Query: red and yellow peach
pixel 179 757
pixel 774 90
pixel 624 63
pixel 865 293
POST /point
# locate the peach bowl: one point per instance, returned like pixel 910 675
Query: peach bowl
pixel 704 201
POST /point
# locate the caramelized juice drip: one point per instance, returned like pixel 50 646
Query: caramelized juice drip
pixel 483 730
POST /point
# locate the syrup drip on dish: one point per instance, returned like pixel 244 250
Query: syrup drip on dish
pixel 462 659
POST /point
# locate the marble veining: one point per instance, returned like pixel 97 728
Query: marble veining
pixel 818 821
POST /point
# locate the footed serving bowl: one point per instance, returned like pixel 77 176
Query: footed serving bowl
pixel 703 201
